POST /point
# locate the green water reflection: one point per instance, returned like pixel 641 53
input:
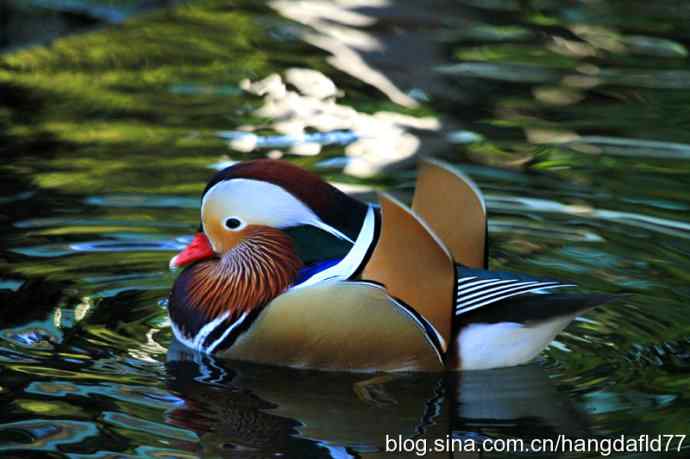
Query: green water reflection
pixel 571 116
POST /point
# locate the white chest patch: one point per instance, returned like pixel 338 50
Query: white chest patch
pixel 198 342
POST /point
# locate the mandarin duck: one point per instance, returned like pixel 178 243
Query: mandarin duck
pixel 288 270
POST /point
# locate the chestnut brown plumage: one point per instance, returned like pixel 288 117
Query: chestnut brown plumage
pixel 261 266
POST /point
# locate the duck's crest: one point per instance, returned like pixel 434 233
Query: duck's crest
pixel 331 205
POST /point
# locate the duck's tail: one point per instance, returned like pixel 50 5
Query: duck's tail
pixel 505 319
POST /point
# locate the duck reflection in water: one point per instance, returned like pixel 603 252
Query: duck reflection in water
pixel 250 410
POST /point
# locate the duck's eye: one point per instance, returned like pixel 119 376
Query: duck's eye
pixel 233 223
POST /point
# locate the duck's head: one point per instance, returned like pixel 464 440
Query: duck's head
pixel 243 254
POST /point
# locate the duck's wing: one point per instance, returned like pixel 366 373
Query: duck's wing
pixel 504 319
pixel 335 325
pixel 454 208
pixel 533 308
pixel 414 266
pixel 477 288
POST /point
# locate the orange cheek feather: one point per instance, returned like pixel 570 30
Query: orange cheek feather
pixel 199 249
pixel 260 265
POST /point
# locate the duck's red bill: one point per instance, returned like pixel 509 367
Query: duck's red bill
pixel 199 249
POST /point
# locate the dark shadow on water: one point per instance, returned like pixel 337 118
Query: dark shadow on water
pixel 301 413
pixel 30 22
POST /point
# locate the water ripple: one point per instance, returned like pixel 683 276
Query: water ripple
pixel 46 435
pixel 519 204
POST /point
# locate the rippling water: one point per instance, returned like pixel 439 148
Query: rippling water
pixel 571 116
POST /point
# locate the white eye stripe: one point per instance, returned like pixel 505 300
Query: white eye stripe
pixel 261 203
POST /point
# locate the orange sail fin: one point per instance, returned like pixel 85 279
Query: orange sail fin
pixel 414 266
pixel 454 208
